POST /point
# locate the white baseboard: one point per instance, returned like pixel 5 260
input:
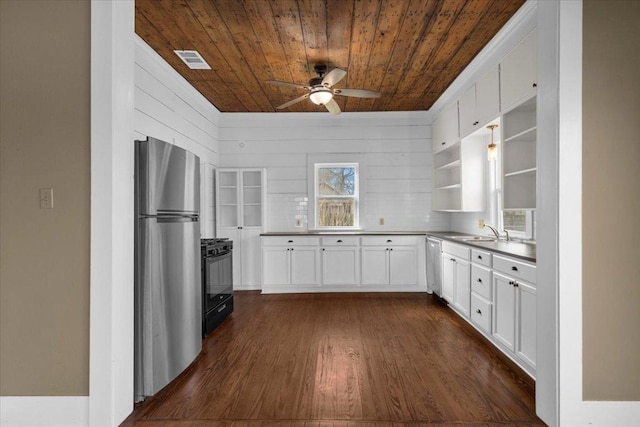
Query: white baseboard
pixel 44 411
pixel 301 289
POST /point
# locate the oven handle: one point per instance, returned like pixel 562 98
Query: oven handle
pixel 218 255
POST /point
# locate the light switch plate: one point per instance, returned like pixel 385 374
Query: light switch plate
pixel 481 224
pixel 46 198
pixel 381 221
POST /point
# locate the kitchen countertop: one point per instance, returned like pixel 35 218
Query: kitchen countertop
pixel 525 251
pixel 345 233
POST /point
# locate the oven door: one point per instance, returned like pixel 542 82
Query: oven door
pixel 218 284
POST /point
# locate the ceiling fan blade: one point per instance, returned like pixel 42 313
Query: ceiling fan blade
pixel 293 101
pixel 333 77
pixel 333 107
pixel 279 83
pixel 357 93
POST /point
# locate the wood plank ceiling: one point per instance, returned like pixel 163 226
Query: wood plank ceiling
pixel 409 50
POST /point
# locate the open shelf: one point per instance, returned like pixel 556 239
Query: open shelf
pixel 525 135
pixel 453 164
pixel 519 120
pixel 521 172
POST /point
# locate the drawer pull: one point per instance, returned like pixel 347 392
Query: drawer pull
pixel 479 312
pixel 479 256
pixel 222 308
pixel 289 241
pixel 442 143
pixel 452 259
pixel 339 241
pixel 389 241
pixel 514 268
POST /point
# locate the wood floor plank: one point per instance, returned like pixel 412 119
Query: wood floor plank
pixel 343 360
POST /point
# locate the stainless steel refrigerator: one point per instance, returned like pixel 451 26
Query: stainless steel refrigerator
pixel 168 295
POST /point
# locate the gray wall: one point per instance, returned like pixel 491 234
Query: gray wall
pixel 45 142
pixel 611 200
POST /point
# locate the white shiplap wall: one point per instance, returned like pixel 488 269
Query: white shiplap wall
pixel 396 147
pixel 170 109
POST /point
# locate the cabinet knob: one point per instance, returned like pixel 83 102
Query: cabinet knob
pixel 452 259
pixel 479 311
pixel 514 268
pixel 323 249
pixel 391 249
pixel 479 280
pixel 339 241
pixel 479 256
pixel 388 241
pixel 442 143
pixel 535 85
pixel 291 248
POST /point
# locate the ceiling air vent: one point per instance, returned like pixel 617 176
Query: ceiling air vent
pixel 193 59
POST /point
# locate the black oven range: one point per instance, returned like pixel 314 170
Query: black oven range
pixel 217 282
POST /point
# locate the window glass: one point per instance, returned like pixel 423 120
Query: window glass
pixel 336 195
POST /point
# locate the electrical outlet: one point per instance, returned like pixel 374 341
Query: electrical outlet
pixel 481 224
pixel 381 221
pixel 46 198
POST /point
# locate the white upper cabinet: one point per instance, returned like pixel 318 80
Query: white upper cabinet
pixel 467 109
pixel 480 104
pixel 488 97
pixel 445 128
pixel 518 73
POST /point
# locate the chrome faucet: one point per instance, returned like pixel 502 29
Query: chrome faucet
pixel 497 233
pixel 494 231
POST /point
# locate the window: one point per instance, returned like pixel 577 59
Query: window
pixel 519 224
pixel 336 195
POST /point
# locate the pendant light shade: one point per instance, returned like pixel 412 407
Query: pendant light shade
pixel 492 152
pixel 321 96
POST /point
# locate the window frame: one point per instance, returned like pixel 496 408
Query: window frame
pixel 356 194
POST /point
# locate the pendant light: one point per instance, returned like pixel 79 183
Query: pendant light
pixel 492 152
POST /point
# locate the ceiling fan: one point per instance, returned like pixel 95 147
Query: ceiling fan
pixel 321 90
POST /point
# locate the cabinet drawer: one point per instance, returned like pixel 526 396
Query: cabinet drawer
pixel 481 313
pixel 481 281
pixel 388 241
pixel 459 251
pixel 290 240
pixel 515 269
pixel 340 241
pixel 481 257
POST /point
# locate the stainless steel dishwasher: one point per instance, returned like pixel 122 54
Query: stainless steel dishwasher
pixel 434 266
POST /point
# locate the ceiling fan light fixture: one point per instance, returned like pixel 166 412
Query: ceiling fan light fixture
pixel 321 96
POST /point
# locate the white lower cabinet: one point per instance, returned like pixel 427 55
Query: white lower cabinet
pixel 456 279
pixel 514 319
pixel 342 263
pixel 389 260
pixel 290 262
pixel 497 295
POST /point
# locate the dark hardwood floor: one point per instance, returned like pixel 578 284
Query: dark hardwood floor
pixel 343 360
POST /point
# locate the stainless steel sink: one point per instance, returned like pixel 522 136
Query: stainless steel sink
pixel 474 238
pixel 480 239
